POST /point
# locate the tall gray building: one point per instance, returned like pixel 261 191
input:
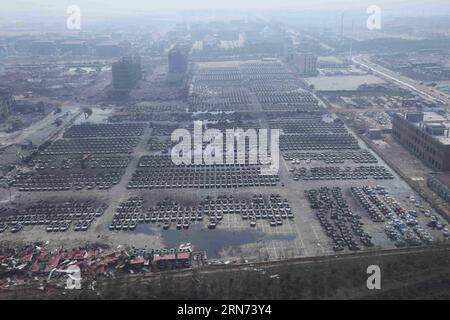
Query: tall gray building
pixel 178 59
pixel 6 102
pixel 305 63
pixel 126 73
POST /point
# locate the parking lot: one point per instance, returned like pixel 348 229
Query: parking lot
pixel 116 159
pixel 54 217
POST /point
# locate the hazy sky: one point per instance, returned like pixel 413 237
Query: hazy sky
pixel 146 6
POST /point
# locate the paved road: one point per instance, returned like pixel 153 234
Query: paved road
pixel 119 193
pixel 430 93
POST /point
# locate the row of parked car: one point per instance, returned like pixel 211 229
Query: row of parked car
pixel 46 163
pixel 340 224
pixel 79 180
pixel 91 146
pixel 56 217
pixel 322 141
pixel 90 130
pixel 190 177
pixel 130 213
pixel 338 173
pixel 364 157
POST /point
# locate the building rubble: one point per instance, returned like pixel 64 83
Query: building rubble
pixel 69 268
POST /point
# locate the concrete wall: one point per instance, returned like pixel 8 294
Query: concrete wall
pixel 439 187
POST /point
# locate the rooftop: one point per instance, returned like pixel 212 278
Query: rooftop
pixel 435 121
pixel 429 117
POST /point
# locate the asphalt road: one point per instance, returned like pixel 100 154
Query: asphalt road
pixel 392 76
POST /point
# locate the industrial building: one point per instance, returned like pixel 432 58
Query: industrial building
pixel 109 50
pixel 375 134
pixel 74 47
pixel 426 135
pixel 42 48
pixel 288 50
pixel 6 102
pixel 305 63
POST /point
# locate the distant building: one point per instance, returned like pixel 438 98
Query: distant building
pixel 74 47
pixel 327 62
pixel 418 103
pixel 42 47
pixel 228 35
pixel 6 103
pixel 305 63
pixel 288 50
pixel 178 63
pixel 178 59
pixel 426 135
pixel 440 183
pixel 21 43
pixel 109 50
pixel 126 73
pixel 375 134
pixel 265 48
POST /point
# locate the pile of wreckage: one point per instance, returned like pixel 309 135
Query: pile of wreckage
pixel 69 266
